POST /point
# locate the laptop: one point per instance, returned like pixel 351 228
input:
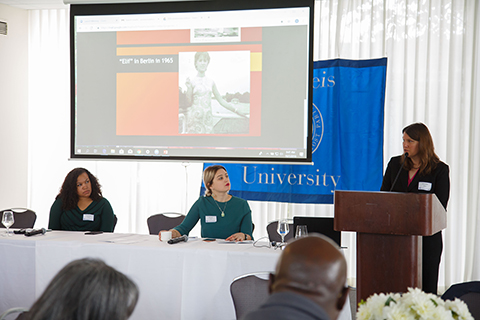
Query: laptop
pixel 321 225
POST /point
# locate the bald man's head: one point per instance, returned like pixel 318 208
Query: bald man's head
pixel 315 267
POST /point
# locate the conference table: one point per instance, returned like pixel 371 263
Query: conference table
pixel 187 281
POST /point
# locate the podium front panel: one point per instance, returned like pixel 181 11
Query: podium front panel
pixel 387 263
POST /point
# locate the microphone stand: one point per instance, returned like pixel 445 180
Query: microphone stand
pixel 400 170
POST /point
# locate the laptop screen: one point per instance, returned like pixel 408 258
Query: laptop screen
pixel 321 225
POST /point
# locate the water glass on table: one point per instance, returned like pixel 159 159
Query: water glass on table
pixel 283 228
pixel 8 220
pixel 301 231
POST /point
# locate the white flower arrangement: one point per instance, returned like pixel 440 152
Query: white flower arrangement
pixel 413 305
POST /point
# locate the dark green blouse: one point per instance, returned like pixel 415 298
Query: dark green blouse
pixel 237 218
pixel 98 216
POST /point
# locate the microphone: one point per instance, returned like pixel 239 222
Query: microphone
pixel 179 239
pixel 399 170
pixel 34 232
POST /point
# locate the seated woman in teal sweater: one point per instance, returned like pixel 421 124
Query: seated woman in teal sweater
pixel 222 216
pixel 80 205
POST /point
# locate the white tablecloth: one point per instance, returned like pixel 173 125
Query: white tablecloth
pixel 188 281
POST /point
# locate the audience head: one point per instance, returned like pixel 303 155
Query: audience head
pixel 314 267
pixel 69 192
pixel 86 289
pixel 208 176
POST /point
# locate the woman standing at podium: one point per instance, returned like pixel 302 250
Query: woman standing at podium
pixel 419 170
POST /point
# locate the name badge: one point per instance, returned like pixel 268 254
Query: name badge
pixel 210 219
pixel 425 186
pixel 88 217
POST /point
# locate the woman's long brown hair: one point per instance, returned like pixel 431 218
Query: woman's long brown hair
pixel 426 151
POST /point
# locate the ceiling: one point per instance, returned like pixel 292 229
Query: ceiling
pixel 35 4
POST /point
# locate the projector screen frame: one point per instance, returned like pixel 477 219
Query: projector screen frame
pixel 180 6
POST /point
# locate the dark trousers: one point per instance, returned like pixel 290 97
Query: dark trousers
pixel 431 255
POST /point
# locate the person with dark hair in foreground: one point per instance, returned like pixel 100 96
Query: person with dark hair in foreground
pixel 86 289
pixel 80 205
pixel 308 284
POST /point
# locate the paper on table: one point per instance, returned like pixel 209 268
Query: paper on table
pixel 241 242
pixel 126 239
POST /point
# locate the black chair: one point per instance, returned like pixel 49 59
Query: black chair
pixel 164 221
pixel 12 312
pixel 249 292
pixel 468 292
pixel 115 220
pixel 24 218
pixel 273 234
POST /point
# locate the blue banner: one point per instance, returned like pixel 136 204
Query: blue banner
pixel 348 115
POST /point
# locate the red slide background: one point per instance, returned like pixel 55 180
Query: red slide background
pixel 143 108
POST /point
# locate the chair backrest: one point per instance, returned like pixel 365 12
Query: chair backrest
pixel 273 234
pixel 24 218
pixel 469 292
pixel 13 313
pixel 164 221
pixel 249 292
pixel 471 299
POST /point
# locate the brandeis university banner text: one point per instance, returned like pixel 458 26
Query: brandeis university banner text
pixel 348 116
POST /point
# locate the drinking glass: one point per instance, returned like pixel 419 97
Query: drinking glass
pixel 301 231
pixel 283 228
pixel 7 220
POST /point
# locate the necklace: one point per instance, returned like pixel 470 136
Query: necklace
pixel 222 211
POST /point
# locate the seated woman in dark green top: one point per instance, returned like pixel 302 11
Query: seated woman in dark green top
pixel 221 215
pixel 80 205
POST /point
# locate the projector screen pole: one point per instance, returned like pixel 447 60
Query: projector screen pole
pixel 185 165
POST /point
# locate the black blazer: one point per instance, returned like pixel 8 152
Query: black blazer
pixel 438 181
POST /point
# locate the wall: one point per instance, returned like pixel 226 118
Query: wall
pixel 13 108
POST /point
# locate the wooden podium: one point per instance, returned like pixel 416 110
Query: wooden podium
pixel 389 227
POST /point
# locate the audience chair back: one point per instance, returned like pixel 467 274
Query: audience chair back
pixel 469 292
pixel 24 218
pixel 273 234
pixel 164 221
pixel 13 313
pixel 249 292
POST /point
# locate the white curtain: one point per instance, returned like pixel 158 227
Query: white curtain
pixel 432 77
